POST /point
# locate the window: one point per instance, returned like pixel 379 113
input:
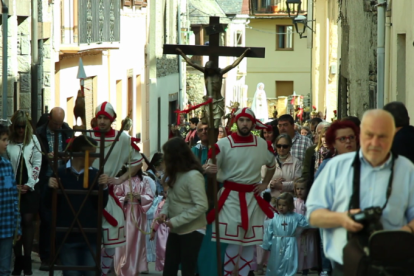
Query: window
pixel 284 38
pixel 239 39
pixel 284 88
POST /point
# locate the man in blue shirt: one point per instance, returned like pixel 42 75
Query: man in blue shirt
pixel 328 200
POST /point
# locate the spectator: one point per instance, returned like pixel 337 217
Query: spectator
pixel 9 206
pixel 26 159
pixel 270 133
pixel 343 137
pixel 313 124
pixel 328 202
pixel 299 143
pixel 288 167
pixel 45 133
pixel 191 137
pixel 221 132
pixel 404 136
pixel 308 168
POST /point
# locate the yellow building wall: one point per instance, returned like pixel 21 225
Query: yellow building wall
pixel 277 65
pixel 325 51
pixel 399 54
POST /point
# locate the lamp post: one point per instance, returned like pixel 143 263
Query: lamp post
pixel 301 23
pixel 293 5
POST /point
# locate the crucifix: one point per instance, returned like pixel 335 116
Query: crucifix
pixel 284 225
pixel 213 78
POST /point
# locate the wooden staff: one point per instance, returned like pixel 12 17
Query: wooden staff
pixel 213 181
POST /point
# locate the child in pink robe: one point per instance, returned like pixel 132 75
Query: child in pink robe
pixel 161 232
pixel 131 258
pixel 307 242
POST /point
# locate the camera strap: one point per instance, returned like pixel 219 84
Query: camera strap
pixel 354 203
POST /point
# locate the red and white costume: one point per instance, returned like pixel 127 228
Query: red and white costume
pixel 241 212
pixel 125 152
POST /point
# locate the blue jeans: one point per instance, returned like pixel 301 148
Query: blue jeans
pixel 6 246
pixel 77 254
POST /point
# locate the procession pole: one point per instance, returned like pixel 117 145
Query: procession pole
pixel 213 181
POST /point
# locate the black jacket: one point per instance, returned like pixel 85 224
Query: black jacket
pixel 41 133
pixel 89 214
pixel 404 142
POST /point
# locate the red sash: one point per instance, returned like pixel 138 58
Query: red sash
pixel 242 189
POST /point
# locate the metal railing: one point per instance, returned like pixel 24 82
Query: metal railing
pixel 273 7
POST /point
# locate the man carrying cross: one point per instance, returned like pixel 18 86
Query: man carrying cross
pixel 242 210
pixel 125 152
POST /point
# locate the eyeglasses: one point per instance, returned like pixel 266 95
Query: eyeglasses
pixel 282 146
pixel 343 139
pixel 19 126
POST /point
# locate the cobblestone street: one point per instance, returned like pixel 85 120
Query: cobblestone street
pixel 37 272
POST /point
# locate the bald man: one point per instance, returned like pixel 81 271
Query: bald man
pixel 45 133
pixel 328 202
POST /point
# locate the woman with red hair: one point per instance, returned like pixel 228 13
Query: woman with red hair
pixel 342 136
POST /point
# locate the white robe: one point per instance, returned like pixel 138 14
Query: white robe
pixel 114 236
pixel 240 160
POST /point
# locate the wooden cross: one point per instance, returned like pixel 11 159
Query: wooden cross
pixel 213 77
pixel 284 225
pixel 214 50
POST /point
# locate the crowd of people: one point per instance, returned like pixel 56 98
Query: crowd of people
pixel 283 202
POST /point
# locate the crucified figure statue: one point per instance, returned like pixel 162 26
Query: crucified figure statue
pixel 213 79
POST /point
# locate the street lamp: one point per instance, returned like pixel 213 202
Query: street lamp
pixel 300 23
pixel 291 6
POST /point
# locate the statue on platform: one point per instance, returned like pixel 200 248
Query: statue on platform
pixel 259 105
pixel 213 78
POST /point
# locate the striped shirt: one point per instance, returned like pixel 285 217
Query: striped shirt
pixel 9 210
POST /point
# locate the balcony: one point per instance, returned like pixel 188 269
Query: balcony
pixel 89 25
pixel 273 7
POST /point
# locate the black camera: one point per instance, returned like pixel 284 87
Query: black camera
pixel 370 218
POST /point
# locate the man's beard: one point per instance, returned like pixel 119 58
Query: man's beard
pixel 244 131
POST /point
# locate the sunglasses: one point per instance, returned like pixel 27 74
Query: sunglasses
pixel 343 139
pixel 19 126
pixel 202 129
pixel 282 146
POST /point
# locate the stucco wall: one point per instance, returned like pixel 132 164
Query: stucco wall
pixel 277 65
pixel 325 64
pixel 402 23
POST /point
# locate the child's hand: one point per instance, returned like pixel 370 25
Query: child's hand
pixel 103 179
pixel 162 218
pixel 169 224
pixel 53 183
pixel 23 189
pixel 152 236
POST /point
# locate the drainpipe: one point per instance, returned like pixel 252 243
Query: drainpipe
pixel 5 17
pixel 180 69
pixel 35 61
pixel 380 53
pixel 387 89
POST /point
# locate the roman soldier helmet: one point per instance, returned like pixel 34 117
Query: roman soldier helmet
pixel 247 112
pixel 107 110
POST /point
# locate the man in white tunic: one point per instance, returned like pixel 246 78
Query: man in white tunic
pixel 242 210
pixel 125 152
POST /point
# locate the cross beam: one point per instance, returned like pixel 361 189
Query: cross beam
pixel 214 50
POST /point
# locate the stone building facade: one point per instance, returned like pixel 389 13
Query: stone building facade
pixel 20 56
pixel 358 48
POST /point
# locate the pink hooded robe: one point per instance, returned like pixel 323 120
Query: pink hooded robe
pixel 161 237
pixel 131 258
